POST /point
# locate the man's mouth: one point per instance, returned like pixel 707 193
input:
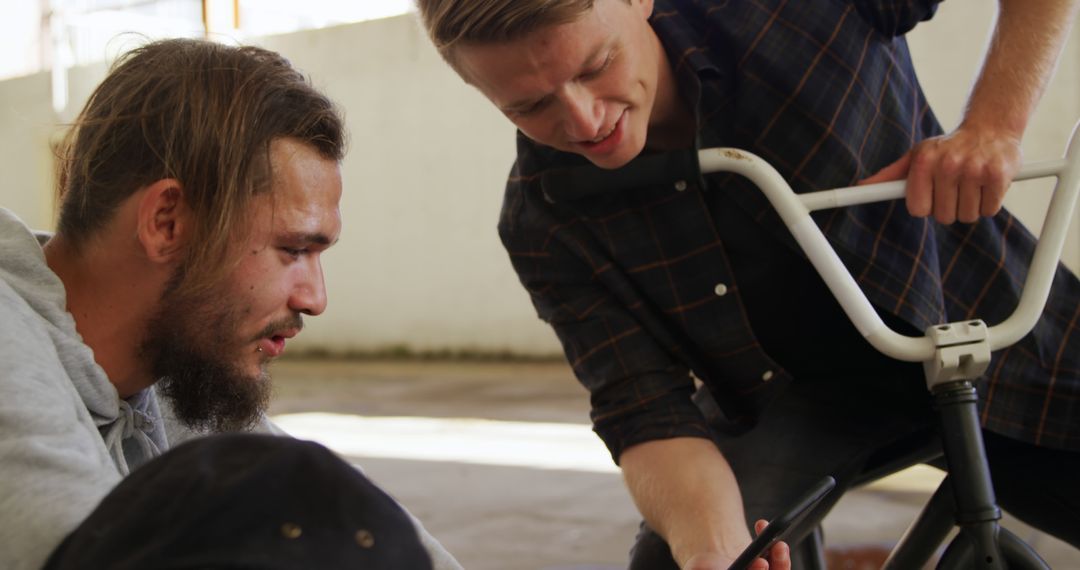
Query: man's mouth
pixel 274 345
pixel 608 139
pixel 607 134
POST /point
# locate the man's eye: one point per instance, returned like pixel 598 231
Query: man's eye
pixel 531 109
pixel 603 67
pixel 293 252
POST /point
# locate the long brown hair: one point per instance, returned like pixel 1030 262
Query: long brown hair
pixel 202 113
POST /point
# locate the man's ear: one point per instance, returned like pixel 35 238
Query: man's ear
pixel 163 220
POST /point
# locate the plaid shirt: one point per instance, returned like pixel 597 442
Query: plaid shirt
pixel 651 283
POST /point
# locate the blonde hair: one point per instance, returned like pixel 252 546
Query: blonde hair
pixel 450 23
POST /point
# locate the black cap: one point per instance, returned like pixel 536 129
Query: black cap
pixel 245 501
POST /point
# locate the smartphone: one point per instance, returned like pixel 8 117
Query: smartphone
pixel 781 527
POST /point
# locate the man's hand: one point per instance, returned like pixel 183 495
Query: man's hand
pixel 779 557
pixel 958 176
pixel 963 175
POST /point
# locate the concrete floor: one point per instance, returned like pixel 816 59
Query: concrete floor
pixel 498 461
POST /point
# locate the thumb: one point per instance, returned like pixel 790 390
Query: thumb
pixel 895 171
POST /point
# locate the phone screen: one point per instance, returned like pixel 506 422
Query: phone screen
pixel 781 527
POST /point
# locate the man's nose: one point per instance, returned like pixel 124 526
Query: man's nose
pixel 309 293
pixel 583 113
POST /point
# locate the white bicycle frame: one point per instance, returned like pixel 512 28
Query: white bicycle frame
pixel 795 210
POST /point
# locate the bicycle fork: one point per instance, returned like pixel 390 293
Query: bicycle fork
pixel 967 493
pixel 977 513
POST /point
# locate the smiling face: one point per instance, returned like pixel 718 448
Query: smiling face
pixel 593 86
pixel 211 351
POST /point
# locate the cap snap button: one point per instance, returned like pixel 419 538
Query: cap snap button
pixel 767 375
pixel 291 531
pixel 680 185
pixel 365 539
pixel 720 290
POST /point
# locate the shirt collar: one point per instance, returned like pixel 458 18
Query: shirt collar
pixel 679 25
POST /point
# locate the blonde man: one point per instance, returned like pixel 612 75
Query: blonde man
pixel 674 273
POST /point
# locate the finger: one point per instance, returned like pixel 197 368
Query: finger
pixel 968 201
pixel 780 557
pixel 920 184
pixel 946 180
pixel 895 171
pixel 993 193
pixel 759 564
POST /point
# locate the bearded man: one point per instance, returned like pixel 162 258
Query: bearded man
pixel 199 187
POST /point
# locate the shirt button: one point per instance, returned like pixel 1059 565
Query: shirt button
pixel 720 290
pixel 767 375
pixel 680 185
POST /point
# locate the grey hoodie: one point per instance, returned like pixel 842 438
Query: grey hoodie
pixel 66 438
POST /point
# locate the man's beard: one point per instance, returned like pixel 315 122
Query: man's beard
pixel 195 352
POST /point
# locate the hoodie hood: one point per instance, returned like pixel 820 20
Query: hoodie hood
pixel 131 428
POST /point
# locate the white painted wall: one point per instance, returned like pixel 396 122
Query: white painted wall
pixel 419 264
pixel 26 123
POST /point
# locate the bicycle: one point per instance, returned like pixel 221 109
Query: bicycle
pixel 953 355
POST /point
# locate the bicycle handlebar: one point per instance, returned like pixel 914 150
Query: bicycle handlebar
pixel 795 210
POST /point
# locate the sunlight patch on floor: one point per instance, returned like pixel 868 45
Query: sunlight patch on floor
pixel 572 447
pixel 537 445
pixel 917 478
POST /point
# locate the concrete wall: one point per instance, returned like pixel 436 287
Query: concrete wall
pixel 419 264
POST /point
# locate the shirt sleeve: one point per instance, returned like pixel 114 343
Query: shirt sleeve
pixel 639 391
pixel 894 18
